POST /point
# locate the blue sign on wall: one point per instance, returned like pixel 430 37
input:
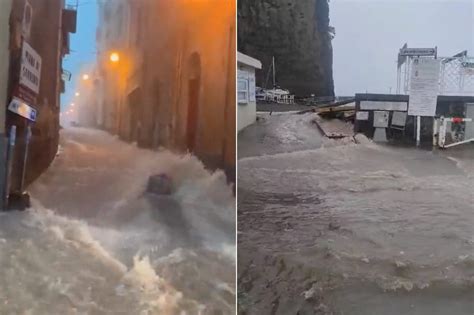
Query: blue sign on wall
pixel 21 108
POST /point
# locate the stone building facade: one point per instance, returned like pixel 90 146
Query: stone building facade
pixel 174 85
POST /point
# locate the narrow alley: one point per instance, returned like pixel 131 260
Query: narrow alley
pixel 117 168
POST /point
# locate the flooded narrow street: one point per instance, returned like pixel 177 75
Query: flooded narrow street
pixel 95 242
pixel 331 227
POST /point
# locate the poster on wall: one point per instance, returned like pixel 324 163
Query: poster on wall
pixel 424 87
pixel 27 20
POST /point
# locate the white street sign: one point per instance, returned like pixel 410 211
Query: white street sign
pixel 417 52
pixel 424 87
pixel 30 71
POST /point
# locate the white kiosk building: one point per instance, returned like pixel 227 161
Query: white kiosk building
pixel 246 99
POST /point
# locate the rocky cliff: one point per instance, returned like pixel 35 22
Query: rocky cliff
pixel 297 34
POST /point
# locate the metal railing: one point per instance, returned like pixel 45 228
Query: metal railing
pixel 456 76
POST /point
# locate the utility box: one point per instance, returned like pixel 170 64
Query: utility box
pixel 381 119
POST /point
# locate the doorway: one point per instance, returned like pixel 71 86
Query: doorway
pixel 135 105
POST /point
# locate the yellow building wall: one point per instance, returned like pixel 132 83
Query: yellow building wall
pixel 166 44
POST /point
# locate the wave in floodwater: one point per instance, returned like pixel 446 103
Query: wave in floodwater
pixel 368 229
pixel 53 265
pixel 107 247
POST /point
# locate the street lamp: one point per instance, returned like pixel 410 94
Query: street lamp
pixel 114 57
pixel 77 94
pixel 72 104
pixel 85 77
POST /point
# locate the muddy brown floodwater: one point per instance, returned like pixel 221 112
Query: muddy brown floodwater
pixel 344 228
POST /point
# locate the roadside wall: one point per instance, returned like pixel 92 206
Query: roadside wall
pixel 45 38
pixel 4 59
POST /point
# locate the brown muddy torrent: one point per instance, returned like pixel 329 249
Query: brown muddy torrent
pixel 369 241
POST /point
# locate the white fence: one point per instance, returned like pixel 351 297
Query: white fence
pixel 451 131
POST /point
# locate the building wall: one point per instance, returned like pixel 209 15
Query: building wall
pixel 247 113
pixel 176 80
pixel 46 39
pixel 4 59
pixel 112 34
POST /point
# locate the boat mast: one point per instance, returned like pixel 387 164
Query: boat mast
pixel 273 67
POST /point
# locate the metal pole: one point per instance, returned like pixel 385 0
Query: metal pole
pixel 407 76
pixel 25 156
pixel 11 149
pixel 442 132
pixel 418 130
pixel 399 71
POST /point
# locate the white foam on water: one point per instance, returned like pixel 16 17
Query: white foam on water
pixel 74 232
pixel 158 296
pixel 154 295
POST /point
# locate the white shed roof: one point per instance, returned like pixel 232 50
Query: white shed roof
pixel 249 61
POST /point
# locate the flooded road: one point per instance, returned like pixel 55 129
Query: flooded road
pixel 346 228
pixel 95 243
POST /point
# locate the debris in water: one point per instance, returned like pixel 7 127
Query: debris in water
pixel 321 308
pixel 159 184
pixel 334 226
pixel 400 264
pixel 463 257
pixel 311 293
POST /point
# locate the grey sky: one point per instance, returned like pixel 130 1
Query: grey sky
pixel 369 34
